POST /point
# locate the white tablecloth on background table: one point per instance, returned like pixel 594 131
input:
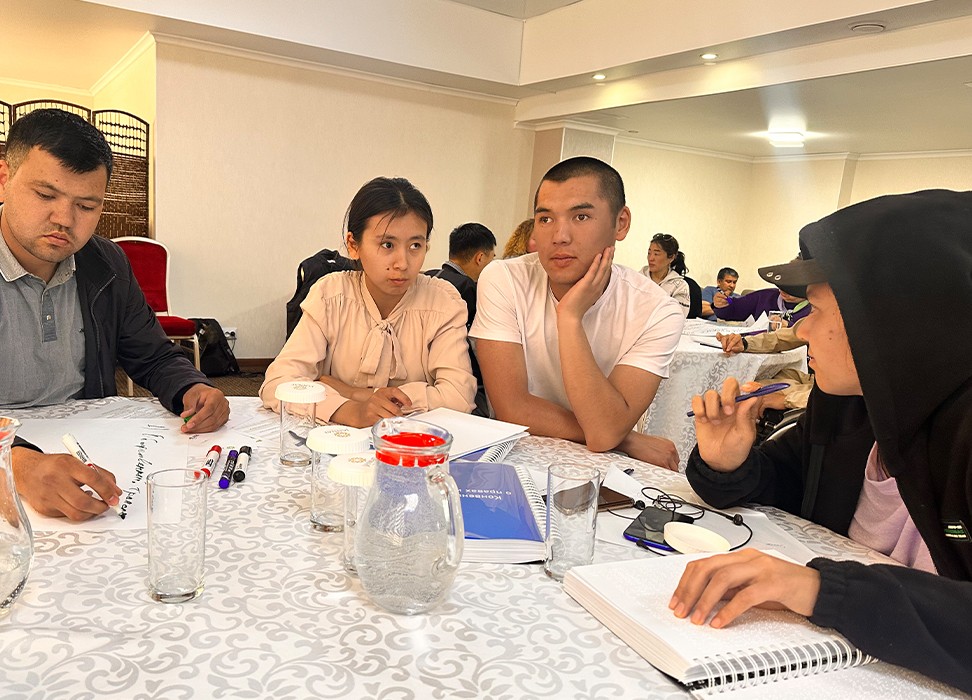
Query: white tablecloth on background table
pixel 279 616
pixel 697 368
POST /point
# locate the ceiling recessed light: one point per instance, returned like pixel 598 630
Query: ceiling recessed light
pixel 709 56
pixel 785 139
pixel 868 27
pixel 599 76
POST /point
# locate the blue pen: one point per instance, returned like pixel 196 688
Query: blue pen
pixel 768 389
pixel 226 477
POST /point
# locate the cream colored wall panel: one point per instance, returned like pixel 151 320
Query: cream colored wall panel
pixel 907 174
pixel 257 162
pixel 787 194
pixel 701 200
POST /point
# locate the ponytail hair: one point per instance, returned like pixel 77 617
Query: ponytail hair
pixel 678 264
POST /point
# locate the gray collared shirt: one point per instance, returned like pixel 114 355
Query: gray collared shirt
pixel 41 334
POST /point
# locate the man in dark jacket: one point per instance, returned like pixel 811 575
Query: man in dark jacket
pixel 918 400
pixel 70 308
pixel 471 248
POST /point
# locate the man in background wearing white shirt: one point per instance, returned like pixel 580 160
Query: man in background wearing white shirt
pixel 569 344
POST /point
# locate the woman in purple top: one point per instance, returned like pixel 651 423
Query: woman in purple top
pixel 763 301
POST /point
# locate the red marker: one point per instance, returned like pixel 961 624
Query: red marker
pixel 212 459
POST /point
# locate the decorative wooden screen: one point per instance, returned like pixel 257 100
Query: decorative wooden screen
pixel 25 108
pixel 126 201
pixel 5 120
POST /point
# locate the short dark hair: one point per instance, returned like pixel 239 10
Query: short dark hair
pixel 609 180
pixel 391 196
pixel 727 271
pixel 467 240
pixel 78 145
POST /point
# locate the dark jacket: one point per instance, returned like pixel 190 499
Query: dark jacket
pixel 919 406
pixel 120 328
pixel 466 286
pixel 462 282
pixel 758 302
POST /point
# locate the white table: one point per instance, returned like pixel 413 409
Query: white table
pixel 697 368
pixel 280 618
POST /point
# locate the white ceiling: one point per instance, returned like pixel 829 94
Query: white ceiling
pixel 520 9
pixel 918 107
pixel 921 107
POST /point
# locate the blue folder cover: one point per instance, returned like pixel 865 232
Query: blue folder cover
pixel 501 512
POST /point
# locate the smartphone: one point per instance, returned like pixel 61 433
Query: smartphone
pixel 649 527
pixel 609 499
pixel 579 498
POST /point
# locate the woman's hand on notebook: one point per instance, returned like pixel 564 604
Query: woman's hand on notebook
pixel 744 579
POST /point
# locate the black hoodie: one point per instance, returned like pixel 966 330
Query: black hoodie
pixel 901 270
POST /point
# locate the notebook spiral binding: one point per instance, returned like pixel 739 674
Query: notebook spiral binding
pixel 747 668
pixel 537 506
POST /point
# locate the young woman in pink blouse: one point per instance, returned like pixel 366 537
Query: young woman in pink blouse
pixel 385 339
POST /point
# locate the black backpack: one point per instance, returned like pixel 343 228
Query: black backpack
pixel 215 357
pixel 309 271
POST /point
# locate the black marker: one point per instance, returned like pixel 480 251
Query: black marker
pixel 224 478
pixel 241 464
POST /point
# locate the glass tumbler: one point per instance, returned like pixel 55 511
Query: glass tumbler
pixel 298 416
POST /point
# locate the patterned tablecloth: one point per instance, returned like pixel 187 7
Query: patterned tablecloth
pixel 280 618
pixel 697 368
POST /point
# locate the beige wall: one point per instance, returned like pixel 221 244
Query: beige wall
pixel 888 175
pixel 13 92
pixel 702 200
pixel 256 163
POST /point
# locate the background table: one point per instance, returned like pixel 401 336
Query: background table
pixel 697 368
pixel 280 618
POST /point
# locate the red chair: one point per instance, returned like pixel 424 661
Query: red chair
pixel 150 263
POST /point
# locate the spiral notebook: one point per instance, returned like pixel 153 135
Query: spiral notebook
pixel 761 646
pixel 502 512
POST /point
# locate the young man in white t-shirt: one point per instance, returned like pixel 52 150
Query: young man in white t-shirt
pixel 569 344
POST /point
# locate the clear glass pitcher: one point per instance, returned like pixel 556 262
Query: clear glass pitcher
pixel 409 541
pixel 16 538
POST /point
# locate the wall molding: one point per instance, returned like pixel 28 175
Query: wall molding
pixel 45 87
pixel 302 64
pixel 144 43
pixel 630 140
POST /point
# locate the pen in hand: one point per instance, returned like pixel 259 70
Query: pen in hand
pixel 74 447
pixel 768 389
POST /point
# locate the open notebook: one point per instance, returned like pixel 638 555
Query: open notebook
pixel 471 433
pixel 761 646
pixel 502 512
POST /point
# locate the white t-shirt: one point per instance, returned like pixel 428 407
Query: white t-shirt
pixel 634 322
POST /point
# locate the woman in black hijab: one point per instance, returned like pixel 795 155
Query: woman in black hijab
pixel 905 349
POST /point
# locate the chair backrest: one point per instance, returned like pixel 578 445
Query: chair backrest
pixel 695 298
pixel 309 271
pixel 150 263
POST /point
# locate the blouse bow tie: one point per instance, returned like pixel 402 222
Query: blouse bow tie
pixel 383 354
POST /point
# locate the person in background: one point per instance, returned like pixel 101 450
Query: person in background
pixel 71 309
pixel 571 345
pixel 666 268
pixel 521 241
pixel 471 248
pixel 386 338
pixel 763 301
pixel 773 342
pixel 726 283
pixel 894 477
